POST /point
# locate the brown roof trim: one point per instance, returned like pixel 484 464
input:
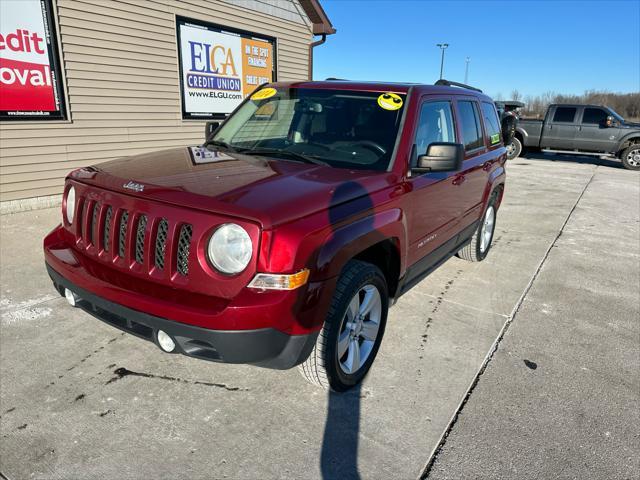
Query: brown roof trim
pixel 315 12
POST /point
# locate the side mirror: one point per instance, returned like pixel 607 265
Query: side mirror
pixel 609 122
pixel 441 157
pixel 209 129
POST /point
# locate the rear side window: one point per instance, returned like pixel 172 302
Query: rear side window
pixel 491 122
pixel 435 125
pixel 470 125
pixel 564 114
pixel 594 116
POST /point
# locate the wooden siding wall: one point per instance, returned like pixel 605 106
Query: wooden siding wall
pixel 123 91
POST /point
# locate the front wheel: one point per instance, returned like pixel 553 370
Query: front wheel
pixel 514 149
pixel 631 157
pixel 350 337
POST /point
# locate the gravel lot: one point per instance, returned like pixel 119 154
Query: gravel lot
pixel 559 398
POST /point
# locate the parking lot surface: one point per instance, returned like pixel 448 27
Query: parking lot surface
pixel 78 399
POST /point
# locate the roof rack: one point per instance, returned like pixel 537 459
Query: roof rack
pixel 334 79
pixel 449 83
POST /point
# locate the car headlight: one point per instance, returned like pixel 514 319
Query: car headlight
pixel 230 248
pixel 70 204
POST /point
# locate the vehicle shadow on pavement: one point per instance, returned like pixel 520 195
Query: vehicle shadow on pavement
pixel 582 159
pixel 339 454
pixel 339 451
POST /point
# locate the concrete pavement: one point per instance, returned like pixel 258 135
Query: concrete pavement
pixel 65 413
pixel 561 396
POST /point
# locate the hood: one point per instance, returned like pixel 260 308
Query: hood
pixel 626 123
pixel 267 191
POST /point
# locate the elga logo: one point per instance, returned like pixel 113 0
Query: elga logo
pixel 210 61
pixel 137 187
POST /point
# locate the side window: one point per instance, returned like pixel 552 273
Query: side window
pixel 594 116
pixel 564 114
pixel 470 125
pixel 491 123
pixel 435 125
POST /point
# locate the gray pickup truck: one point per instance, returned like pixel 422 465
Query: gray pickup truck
pixel 581 129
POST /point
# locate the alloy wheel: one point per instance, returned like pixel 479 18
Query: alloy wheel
pixel 633 157
pixel 359 329
pixel 487 228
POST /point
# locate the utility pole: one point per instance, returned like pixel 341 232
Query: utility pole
pixel 466 71
pixel 443 47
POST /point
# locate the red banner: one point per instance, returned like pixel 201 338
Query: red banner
pixel 30 86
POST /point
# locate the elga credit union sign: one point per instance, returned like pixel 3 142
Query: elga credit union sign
pixel 30 77
pixel 220 66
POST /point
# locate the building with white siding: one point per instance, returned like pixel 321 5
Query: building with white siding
pixel 85 81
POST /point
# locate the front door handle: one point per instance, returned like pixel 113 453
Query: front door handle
pixel 458 180
pixel 486 166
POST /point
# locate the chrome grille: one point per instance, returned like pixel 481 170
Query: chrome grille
pixel 122 240
pixel 184 243
pixel 107 228
pixel 142 225
pixel 161 243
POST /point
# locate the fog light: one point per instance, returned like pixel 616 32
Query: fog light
pixel 165 341
pixel 71 297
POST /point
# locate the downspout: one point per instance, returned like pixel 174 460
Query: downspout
pixel 311 46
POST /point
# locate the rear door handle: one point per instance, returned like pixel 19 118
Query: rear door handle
pixel 458 180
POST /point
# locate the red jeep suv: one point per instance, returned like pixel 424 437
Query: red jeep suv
pixel 284 239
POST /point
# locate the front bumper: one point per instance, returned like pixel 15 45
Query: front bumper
pixel 265 347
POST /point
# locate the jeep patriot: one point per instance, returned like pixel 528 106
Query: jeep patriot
pixel 285 237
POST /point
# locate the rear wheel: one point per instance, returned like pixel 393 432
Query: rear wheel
pixel 631 157
pixel 514 149
pixel 350 337
pixel 478 248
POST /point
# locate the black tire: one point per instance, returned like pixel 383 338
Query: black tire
pixel 323 367
pixel 474 251
pixel 514 150
pixel 631 157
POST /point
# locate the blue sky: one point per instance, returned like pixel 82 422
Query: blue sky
pixel 534 47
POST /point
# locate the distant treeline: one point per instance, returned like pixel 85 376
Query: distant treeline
pixel 626 104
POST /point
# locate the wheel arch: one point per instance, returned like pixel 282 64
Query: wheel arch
pixel 626 142
pixel 378 239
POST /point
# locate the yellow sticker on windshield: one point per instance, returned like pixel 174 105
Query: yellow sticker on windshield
pixel 495 138
pixel 264 93
pixel 390 101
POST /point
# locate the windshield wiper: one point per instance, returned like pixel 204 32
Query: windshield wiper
pixel 220 143
pixel 274 152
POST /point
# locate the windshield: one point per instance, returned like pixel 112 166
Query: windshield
pixel 340 128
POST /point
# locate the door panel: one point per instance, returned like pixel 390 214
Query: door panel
pixel 432 216
pixel 593 135
pixel 474 173
pixel 559 131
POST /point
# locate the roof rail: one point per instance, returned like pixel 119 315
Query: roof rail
pixel 449 83
pixel 334 79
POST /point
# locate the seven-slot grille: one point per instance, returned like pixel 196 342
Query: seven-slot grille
pixel 114 226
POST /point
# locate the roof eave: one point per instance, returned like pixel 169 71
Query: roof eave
pixel 321 25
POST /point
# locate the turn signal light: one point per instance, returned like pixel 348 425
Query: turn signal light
pixel 274 281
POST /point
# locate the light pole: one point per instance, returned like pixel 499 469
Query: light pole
pixel 443 47
pixel 466 70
